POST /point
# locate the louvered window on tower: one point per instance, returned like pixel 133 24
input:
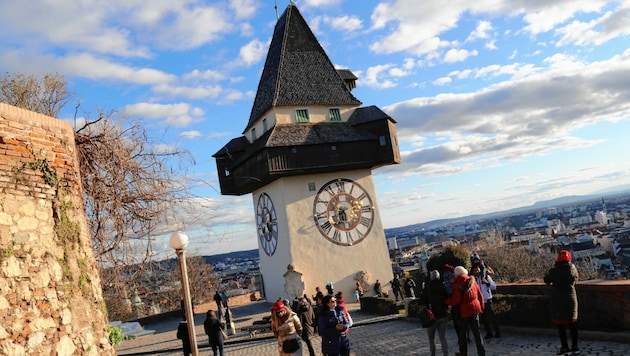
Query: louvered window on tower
pixel 302 115
pixel 335 115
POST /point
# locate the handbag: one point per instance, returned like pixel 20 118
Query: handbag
pixel 426 317
pixel 290 346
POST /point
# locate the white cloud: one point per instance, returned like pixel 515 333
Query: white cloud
pixel 45 24
pixel 190 92
pixel 317 3
pixel 191 134
pixel 458 55
pixel 178 115
pixel 543 17
pixel 481 31
pixel 397 72
pixel 519 118
pixel 598 31
pixel 121 28
pixel 253 52
pixel 442 81
pixel 373 77
pixel 213 75
pixel 343 23
pixel 244 9
pixel 152 110
pixel 88 66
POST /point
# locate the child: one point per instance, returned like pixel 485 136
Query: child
pixel 476 261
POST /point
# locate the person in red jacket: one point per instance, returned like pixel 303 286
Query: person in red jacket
pixel 467 295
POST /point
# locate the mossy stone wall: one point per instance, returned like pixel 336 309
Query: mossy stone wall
pixel 50 295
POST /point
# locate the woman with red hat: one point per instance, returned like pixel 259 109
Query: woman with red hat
pixel 564 305
pixel 287 328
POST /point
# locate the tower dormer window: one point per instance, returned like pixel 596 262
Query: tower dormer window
pixel 265 125
pixel 302 115
pixel 335 114
pixel 254 134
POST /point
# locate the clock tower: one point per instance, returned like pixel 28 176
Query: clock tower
pixel 307 155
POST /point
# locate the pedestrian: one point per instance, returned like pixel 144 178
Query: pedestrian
pixel 488 318
pixel 378 289
pixel 341 303
pixel 476 261
pixel 329 288
pixel 448 277
pixel 182 334
pixel 434 297
pixel 215 331
pixel 410 287
pixel 332 327
pixel 396 287
pixel 224 299
pixel 357 296
pixel 287 329
pixel 217 299
pixel 564 304
pixel 359 288
pixel 318 294
pixel 467 296
pixel 307 317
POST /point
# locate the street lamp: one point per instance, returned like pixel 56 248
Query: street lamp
pixel 179 241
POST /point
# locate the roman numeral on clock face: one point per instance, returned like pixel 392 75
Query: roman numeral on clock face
pixel 343 212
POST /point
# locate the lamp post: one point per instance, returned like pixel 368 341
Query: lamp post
pixel 179 241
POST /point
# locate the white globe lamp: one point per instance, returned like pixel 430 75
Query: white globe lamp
pixel 179 240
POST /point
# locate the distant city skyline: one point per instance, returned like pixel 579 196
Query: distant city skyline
pixel 498 104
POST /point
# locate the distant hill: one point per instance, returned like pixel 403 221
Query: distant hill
pixel 572 199
pixel 238 255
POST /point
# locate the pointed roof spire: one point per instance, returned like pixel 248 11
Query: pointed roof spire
pixel 297 71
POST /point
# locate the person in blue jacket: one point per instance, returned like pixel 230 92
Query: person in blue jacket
pixel 333 324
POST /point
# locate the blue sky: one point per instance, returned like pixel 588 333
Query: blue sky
pixel 499 103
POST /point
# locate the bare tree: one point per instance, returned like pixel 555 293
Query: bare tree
pixel 133 190
pixel 516 264
pixel 130 189
pixel 46 94
pixel 201 278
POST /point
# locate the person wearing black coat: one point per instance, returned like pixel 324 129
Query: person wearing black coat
pixel 307 316
pixel 434 297
pixel 182 334
pixel 214 329
pixel 564 304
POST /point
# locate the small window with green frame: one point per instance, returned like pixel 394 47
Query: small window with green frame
pixel 302 115
pixel 335 114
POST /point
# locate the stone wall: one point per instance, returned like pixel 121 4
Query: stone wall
pixel 50 295
pixel 602 305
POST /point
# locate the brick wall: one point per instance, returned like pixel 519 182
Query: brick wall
pixel 50 294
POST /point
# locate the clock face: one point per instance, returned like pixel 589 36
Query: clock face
pixel 267 224
pixel 343 212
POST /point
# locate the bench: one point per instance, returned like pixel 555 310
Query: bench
pixel 257 328
pixel 132 330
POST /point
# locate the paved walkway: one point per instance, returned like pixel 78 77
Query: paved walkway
pixel 370 336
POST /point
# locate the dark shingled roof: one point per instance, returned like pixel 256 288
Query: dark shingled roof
pixel 346 74
pixel 313 134
pixel 367 114
pixel 286 135
pixel 297 71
